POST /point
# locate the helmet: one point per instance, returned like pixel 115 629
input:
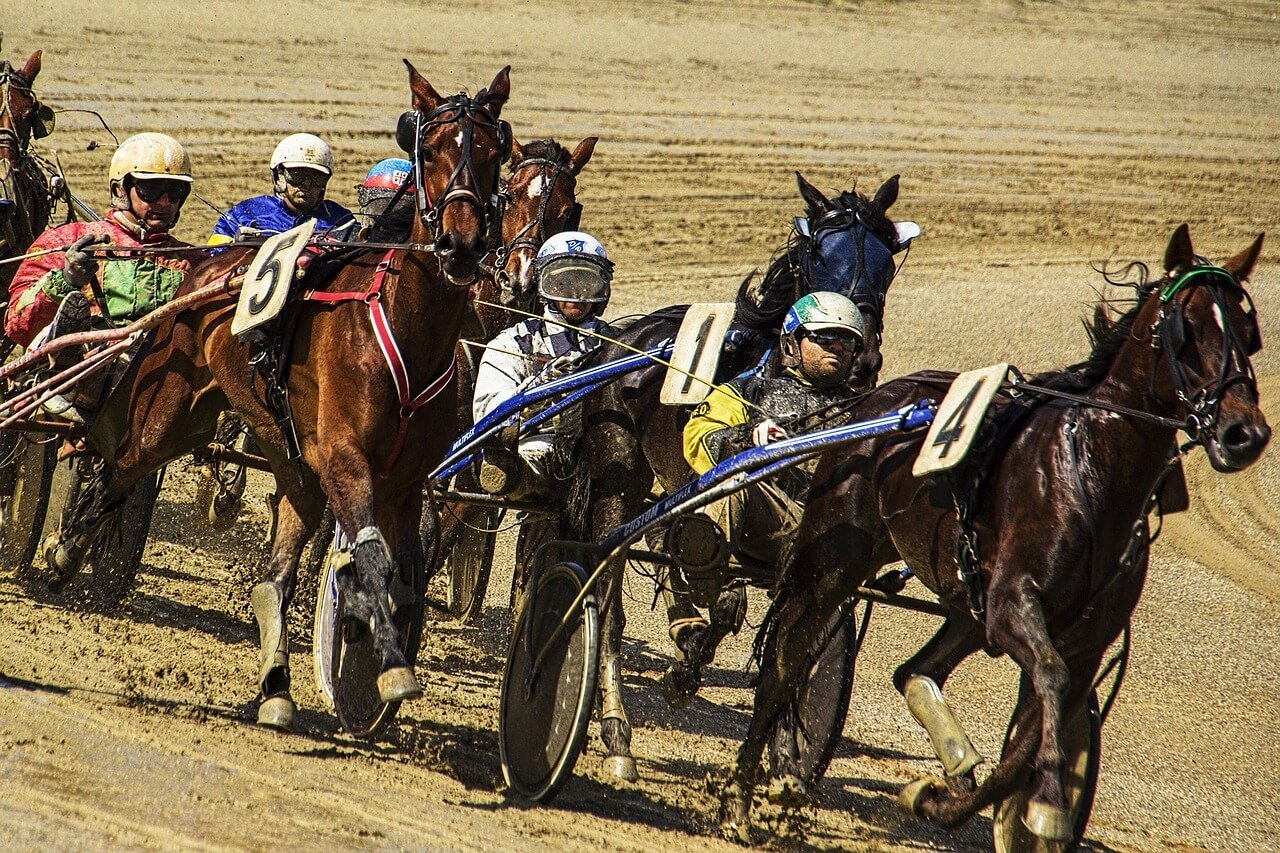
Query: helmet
pixel 815 312
pixel 825 310
pixel 305 151
pixel 389 175
pixel 572 267
pixel 150 155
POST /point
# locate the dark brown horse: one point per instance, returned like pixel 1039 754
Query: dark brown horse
pixel 25 197
pixel 1056 501
pixel 363 445
pixel 631 441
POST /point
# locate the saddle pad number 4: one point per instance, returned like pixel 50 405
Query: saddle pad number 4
pixel 958 419
pixel 697 351
pixel 266 284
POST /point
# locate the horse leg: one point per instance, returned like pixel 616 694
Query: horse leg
pixel 920 681
pixel 1016 624
pixel 349 484
pixel 296 522
pixel 615 728
pixel 795 622
pixel 100 500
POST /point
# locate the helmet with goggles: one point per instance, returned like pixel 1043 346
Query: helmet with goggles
pixel 821 314
pixel 150 156
pixel 572 267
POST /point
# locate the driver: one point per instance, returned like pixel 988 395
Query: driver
pixel 149 179
pixel 301 167
pixel 386 202
pixel 573 275
pixel 821 335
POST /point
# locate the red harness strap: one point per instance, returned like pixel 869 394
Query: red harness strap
pixel 391 352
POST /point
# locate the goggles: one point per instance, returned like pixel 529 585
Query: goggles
pixel 827 338
pixel 152 189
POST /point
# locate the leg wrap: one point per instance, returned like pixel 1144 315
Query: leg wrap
pixel 373 536
pixel 273 634
pixel 611 700
pixel 955 751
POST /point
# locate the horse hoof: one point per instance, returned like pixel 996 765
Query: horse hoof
pixel 679 685
pixel 910 797
pixel 398 684
pixel 1048 822
pixel 788 791
pixel 276 713
pixel 59 562
pixel 223 517
pixel 621 767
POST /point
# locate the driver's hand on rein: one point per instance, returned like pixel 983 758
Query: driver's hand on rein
pixel 81 265
pixel 767 432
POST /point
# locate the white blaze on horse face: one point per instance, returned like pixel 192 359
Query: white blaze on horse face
pixel 536 185
pixel 524 269
pixel 1217 315
pixel 459 139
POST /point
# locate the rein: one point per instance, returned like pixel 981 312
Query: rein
pixel 522 240
pixel 409 405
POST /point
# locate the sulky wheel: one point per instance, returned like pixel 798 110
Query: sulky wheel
pixel 543 715
pixel 345 660
pixel 824 699
pixel 117 552
pixel 26 469
pixel 1082 744
pixel 470 560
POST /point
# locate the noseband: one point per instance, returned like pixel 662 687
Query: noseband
pixel 463 182
pixel 1168 337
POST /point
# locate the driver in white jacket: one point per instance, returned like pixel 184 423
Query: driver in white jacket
pixel 573 274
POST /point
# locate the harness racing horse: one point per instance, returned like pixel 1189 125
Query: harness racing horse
pixel 630 441
pixel 1049 524
pixel 26 200
pixel 370 392
pixel 537 199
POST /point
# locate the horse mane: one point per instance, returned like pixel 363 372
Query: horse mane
pixel 542 149
pixel 1108 329
pixel 763 306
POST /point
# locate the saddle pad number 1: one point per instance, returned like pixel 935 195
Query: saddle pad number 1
pixel 266 284
pixel 697 351
pixel 958 419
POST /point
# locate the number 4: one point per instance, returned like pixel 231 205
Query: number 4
pixel 954 426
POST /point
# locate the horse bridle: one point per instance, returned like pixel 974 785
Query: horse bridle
pixel 467 112
pixel 522 238
pixel 846 219
pixel 1168 337
pixel 23 163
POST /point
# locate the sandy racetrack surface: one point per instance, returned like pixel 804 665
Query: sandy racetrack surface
pixel 1033 138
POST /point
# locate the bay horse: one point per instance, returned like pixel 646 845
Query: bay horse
pixel 630 441
pixel 26 199
pixel 537 199
pixel 383 329
pixel 1056 532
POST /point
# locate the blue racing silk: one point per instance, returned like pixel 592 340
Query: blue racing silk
pixel 268 213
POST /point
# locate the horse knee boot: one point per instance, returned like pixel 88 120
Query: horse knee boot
pixel 956 752
pixel 277 708
pixel 374 564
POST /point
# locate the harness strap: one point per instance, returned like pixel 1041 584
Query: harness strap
pixel 386 338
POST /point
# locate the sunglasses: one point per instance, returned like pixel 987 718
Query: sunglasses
pixel 151 191
pixel 843 340
pixel 303 177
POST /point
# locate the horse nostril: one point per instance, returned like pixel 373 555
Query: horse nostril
pixel 444 244
pixel 1242 436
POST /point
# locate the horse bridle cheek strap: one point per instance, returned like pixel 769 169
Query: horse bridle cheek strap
pixel 386 338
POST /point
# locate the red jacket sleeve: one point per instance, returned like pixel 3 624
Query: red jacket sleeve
pixel 30 307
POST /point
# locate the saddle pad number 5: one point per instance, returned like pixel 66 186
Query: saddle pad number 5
pixel 697 351
pixel 958 419
pixel 266 284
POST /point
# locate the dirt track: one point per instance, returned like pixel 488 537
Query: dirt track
pixel 1032 138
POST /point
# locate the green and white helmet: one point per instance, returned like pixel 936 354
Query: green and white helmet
pixel 815 312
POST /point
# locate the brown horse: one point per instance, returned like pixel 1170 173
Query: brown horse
pixel 25 197
pixel 365 445
pixel 1055 501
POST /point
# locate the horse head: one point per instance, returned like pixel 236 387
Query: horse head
pixel 1204 329
pixel 847 245
pixel 540 200
pixel 457 145
pixel 22 118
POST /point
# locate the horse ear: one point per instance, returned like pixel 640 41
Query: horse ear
pixel 425 98
pixel 517 151
pixel 887 194
pixel 813 197
pixel 1241 266
pixel 578 159
pixel 1179 256
pixel 32 68
pixel 497 92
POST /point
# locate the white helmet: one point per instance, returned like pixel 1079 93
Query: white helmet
pixel 572 267
pixel 303 150
pixel 150 155
pixel 816 312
